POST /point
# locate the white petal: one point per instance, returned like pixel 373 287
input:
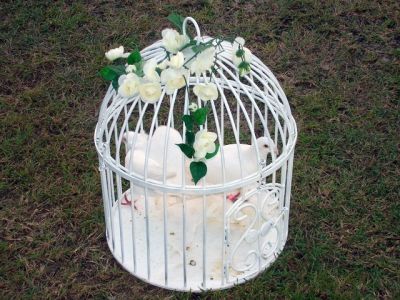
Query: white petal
pixel 115 53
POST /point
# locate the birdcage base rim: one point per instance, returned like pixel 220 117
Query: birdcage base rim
pixel 190 289
pixel 194 273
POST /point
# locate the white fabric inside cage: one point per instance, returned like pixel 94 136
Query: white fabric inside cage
pixel 193 242
pixel 187 237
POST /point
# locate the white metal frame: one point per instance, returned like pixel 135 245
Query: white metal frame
pixel 255 100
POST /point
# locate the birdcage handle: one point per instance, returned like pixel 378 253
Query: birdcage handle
pixel 196 26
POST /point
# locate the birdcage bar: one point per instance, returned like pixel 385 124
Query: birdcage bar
pixel 243 87
pixel 146 203
pixel 220 138
pixel 252 105
pixel 105 198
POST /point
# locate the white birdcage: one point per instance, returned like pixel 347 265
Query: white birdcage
pixel 179 235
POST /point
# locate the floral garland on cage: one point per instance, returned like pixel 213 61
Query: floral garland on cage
pixel 131 75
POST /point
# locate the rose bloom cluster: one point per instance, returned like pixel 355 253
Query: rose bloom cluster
pixel 173 73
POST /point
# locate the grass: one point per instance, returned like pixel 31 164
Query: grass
pixel 338 62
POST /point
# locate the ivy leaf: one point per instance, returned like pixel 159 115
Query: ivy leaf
pixel 112 72
pixel 186 149
pixel 200 115
pixel 134 57
pixel 188 120
pixel 190 137
pixel 198 169
pixel 176 20
pixel 211 155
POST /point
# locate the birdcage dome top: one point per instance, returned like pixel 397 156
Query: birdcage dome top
pixel 249 106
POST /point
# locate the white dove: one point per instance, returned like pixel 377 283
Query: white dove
pixel 135 161
pixel 129 139
pixel 139 142
pixel 249 162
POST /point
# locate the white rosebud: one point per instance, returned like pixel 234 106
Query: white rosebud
pixel 244 71
pixel 238 44
pixel 238 41
pixel 113 54
pixel 193 107
pixel 173 41
pixel 150 91
pixel 149 70
pixel 128 85
pixel 173 79
pixel 177 60
pixel 203 61
pixel 130 68
pixel 206 91
pixel 248 57
pixel 204 143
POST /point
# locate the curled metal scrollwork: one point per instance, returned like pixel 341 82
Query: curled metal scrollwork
pixel 258 223
pixel 251 258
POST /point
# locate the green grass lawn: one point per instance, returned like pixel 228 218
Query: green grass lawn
pixel 338 62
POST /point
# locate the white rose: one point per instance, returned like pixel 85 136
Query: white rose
pixel 128 85
pixel 193 107
pixel 204 143
pixel 150 91
pixel 177 60
pixel 173 41
pixel 149 70
pixel 173 79
pixel 163 65
pixel 203 61
pixel 206 92
pixel 238 41
pixel 113 54
pixel 130 68
pixel 247 57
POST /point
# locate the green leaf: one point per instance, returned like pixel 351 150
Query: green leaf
pixel 111 72
pixel 188 120
pixel 211 155
pixel 107 74
pixel 118 69
pixel 244 65
pixel 176 20
pixel 186 149
pixel 200 115
pixel 134 57
pixel 119 61
pixel 198 169
pixel 139 68
pixel 240 53
pixel 115 83
pixel 190 137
